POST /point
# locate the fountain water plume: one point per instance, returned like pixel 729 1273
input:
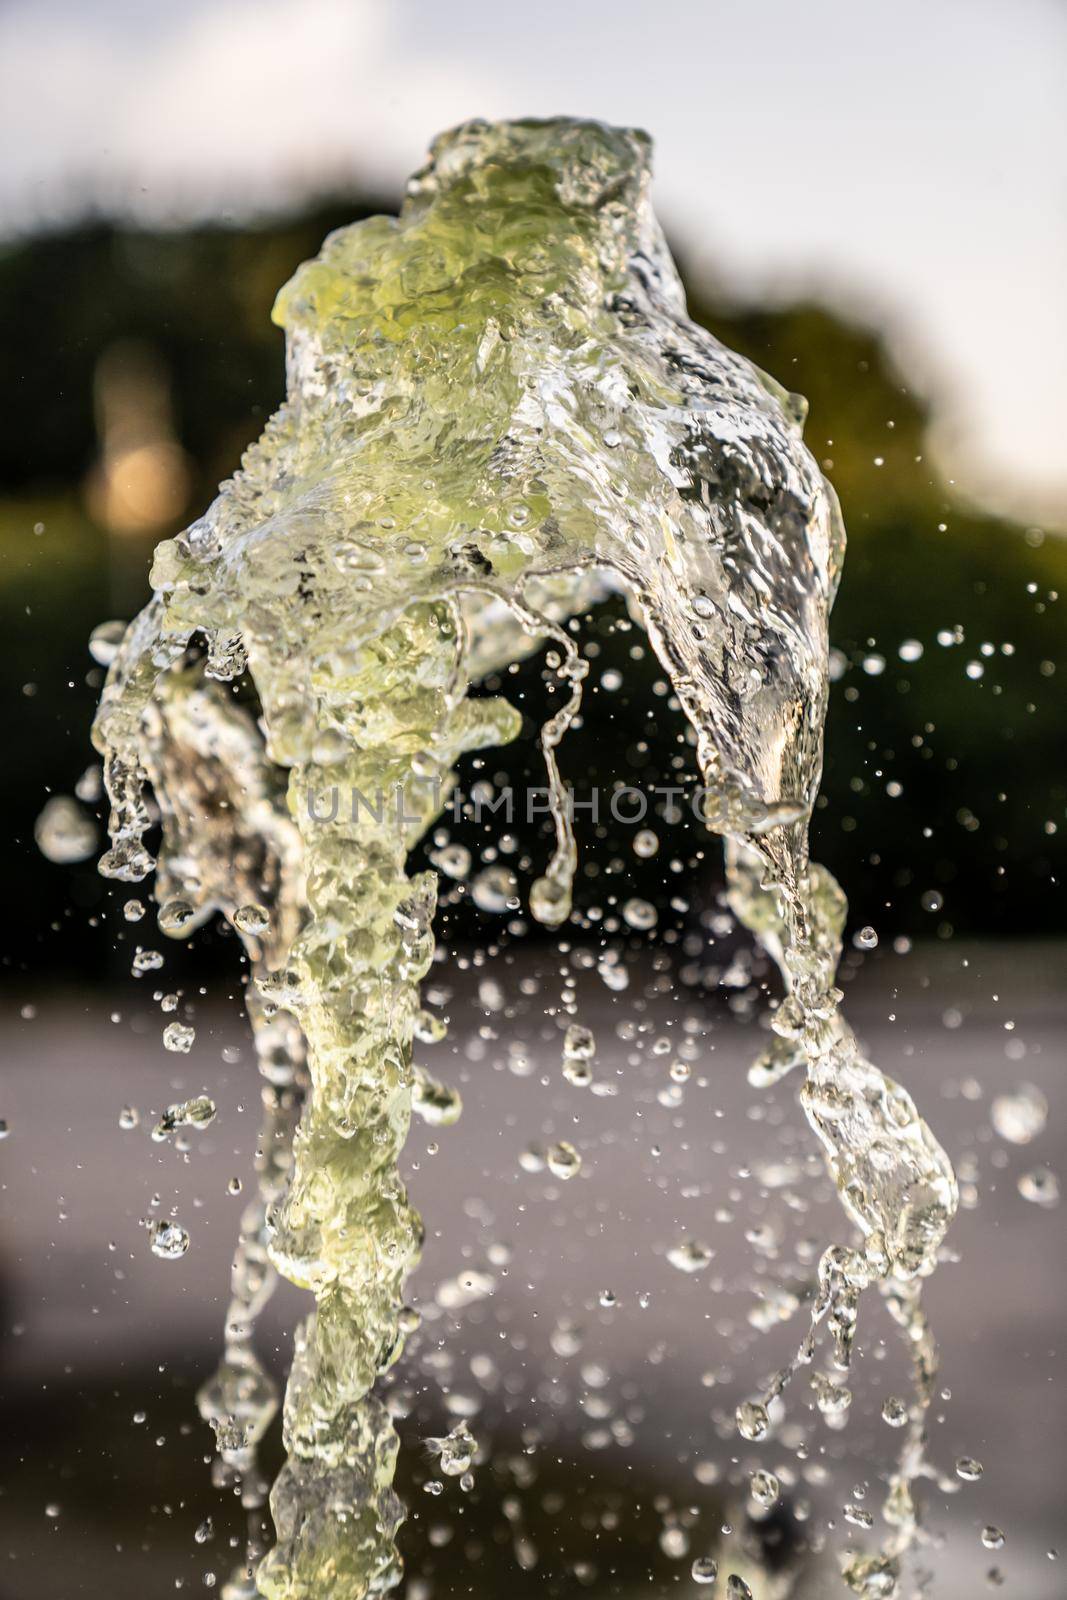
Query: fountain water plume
pixel 497 409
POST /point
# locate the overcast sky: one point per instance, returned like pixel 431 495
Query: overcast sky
pixel 905 159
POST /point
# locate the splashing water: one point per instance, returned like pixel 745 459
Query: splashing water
pixel 497 412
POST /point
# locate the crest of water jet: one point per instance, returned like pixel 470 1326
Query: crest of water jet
pixel 497 411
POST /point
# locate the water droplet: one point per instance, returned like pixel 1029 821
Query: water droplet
pixel 832 1399
pixel 437 1104
pixel 175 917
pixel 866 938
pixel 169 1240
pixel 178 1038
pixel 195 1113
pixel 895 1411
pixel 455 1451
pixel 704 1570
pixel 579 1047
pixel 550 901
pixel 764 1489
pixel 969 1469
pixel 252 919
pixel 1021 1115
pixel 690 1256
pixel 90 786
pixel 454 860
pixel 1040 1186
pixel 872 1577
pixel 579 1043
pixel 104 641
pixel 63 832
pixel 577 1072
pixel 752 1420
pixel 563 1160
pixel 612 973
pixel 674 1542
pixel 496 890
pixel 640 914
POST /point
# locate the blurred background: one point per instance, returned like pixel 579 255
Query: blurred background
pixel 868 202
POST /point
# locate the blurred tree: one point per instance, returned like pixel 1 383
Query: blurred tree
pixel 943 769
pixel 970 730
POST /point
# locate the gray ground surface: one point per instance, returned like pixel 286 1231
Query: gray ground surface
pixel 92 1335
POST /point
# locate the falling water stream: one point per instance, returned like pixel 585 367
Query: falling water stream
pixel 498 412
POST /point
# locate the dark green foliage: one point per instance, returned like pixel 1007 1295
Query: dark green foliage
pixel 979 762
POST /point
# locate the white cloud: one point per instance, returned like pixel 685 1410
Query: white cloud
pixel 209 105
